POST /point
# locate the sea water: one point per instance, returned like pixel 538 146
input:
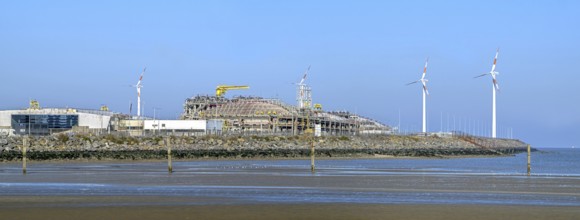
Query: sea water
pixel 555 180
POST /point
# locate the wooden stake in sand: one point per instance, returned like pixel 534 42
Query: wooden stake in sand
pixel 24 144
pixel 169 166
pixel 312 168
pixel 529 161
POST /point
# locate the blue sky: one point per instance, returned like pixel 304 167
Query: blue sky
pixel 85 53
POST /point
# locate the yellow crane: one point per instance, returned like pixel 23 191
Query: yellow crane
pixel 104 108
pixel 34 105
pixel 318 107
pixel 222 89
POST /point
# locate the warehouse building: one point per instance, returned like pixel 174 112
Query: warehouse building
pixel 35 121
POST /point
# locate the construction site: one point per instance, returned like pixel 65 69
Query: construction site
pixel 202 115
pixel 257 115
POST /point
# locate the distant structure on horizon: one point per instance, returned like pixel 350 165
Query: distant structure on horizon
pixel 256 115
pixel 304 92
pixel 423 81
pixel 216 114
pixel 139 86
pixel 494 89
pixel 201 115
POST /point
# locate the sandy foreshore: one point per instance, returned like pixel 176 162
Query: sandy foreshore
pixel 294 211
pixel 340 189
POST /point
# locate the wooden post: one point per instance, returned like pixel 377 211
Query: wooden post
pixel 168 145
pixel 529 161
pixel 312 168
pixel 24 144
pixel 169 166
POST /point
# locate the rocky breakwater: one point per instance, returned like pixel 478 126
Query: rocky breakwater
pixel 73 147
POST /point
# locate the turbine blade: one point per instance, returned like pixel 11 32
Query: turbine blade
pixel 425 88
pixel 425 68
pixel 141 77
pixel 495 84
pixel 412 83
pixel 305 74
pixel 481 75
pixel 495 60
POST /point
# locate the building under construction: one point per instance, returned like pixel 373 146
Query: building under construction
pixel 202 115
pixel 255 115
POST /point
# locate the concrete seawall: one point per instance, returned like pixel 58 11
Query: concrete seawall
pixel 63 147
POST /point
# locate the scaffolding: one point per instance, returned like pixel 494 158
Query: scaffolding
pixel 256 115
pixel 304 96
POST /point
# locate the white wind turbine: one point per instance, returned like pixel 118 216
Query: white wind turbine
pixel 139 86
pixel 425 93
pixel 495 88
pixel 304 97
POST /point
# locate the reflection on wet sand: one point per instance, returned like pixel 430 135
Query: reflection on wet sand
pixel 340 189
pixel 296 211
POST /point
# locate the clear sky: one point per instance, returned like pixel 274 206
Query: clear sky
pixel 86 53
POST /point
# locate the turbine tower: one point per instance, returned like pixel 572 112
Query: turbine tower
pixel 494 89
pixel 304 96
pixel 138 86
pixel 425 93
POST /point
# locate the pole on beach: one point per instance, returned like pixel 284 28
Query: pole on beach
pixel 529 161
pixel 312 167
pixel 169 166
pixel 24 144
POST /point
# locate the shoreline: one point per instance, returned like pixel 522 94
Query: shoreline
pixel 95 148
pixel 164 160
pixel 274 154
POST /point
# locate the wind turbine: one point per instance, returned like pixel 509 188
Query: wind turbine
pixel 425 93
pixel 303 91
pixel 139 86
pixel 495 88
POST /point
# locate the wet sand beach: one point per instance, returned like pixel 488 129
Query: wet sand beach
pixel 295 211
pixel 468 188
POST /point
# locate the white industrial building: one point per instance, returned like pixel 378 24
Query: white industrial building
pixel 135 127
pixel 53 120
pixel 175 125
pixel 47 121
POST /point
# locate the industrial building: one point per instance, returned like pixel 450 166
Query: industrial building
pixel 255 115
pixel 47 121
pixel 37 121
pixel 201 115
pixel 146 126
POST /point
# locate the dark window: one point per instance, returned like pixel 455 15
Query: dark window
pixel 43 124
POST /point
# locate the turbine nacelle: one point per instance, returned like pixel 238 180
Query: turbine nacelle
pixel 422 79
pixel 139 85
pixel 493 73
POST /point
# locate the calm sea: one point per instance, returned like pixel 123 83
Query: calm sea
pixel 555 180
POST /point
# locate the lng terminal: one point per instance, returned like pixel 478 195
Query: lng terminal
pixel 202 114
pixel 215 126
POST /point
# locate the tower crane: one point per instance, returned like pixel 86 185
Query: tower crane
pixel 222 89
